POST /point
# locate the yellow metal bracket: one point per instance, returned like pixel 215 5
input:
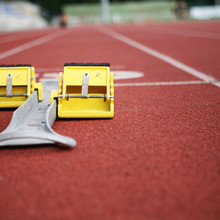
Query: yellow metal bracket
pixel 85 91
pixel 17 83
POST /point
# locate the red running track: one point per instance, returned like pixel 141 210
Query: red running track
pixel 157 159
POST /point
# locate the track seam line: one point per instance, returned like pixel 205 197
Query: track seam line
pixel 158 55
pixel 31 44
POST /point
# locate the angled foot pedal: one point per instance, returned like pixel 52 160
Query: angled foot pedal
pixel 85 91
pixel 17 83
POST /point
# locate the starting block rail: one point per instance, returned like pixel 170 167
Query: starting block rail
pixel 32 122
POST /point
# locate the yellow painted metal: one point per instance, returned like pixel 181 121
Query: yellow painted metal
pixel 70 83
pixel 39 87
pixel 23 85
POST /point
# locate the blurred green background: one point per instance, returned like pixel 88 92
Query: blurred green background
pixel 32 14
pixel 88 11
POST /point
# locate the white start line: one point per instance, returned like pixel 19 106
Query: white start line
pixel 127 74
pixel 118 74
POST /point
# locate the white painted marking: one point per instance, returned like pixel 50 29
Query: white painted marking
pixel 125 74
pixel 139 83
pixel 51 75
pixel 160 83
pixel 128 75
pixel 49 80
pixel 31 44
pixel 48 69
pixel 118 67
pixel 158 55
pixel 217 83
pixel 118 74
pixel 16 36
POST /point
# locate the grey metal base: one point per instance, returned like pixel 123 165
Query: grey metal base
pixel 31 123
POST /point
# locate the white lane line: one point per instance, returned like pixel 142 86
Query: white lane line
pixel 31 44
pixel 55 77
pixel 118 74
pixel 16 37
pixel 126 74
pixel 217 83
pixel 186 33
pixel 158 55
pixel 160 83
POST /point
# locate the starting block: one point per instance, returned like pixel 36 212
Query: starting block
pixel 17 83
pixel 86 90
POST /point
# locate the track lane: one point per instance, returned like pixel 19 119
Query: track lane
pixel 13 40
pixel 157 159
pixel 201 54
pixel 155 156
pixel 75 47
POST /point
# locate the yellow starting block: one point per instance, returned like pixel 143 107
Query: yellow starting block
pixel 17 83
pixel 85 91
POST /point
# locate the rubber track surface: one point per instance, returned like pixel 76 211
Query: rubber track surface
pixel 159 158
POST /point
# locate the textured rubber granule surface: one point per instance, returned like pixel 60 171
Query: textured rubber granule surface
pixel 157 159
